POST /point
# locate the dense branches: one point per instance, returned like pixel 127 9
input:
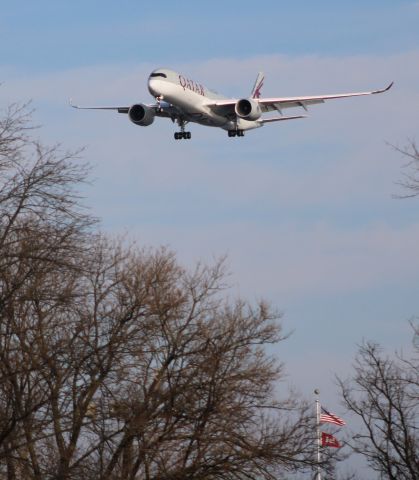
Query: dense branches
pixel 384 395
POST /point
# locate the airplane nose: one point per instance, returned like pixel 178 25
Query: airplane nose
pixel 152 87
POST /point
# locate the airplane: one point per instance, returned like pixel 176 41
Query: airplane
pixel 184 100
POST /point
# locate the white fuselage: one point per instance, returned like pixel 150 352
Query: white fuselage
pixel 192 99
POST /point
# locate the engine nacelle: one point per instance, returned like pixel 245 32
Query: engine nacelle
pixel 248 109
pixel 141 114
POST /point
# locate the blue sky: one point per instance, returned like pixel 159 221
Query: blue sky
pixel 303 209
pixel 46 35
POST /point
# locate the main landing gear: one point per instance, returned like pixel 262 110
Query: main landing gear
pixel 234 133
pixel 182 135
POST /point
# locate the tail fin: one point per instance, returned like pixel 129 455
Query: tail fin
pixel 258 85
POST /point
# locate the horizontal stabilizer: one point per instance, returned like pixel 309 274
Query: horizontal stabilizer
pixel 279 119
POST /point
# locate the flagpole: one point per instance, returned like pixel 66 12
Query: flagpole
pixel 317 392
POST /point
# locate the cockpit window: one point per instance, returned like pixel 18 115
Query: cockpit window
pixel 158 74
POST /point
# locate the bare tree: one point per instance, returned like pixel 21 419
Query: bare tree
pixel 43 233
pixel 384 395
pixel 117 363
pixel 199 402
pixel 158 377
pixel 410 180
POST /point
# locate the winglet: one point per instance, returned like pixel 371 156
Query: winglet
pixel 384 89
pixel 70 102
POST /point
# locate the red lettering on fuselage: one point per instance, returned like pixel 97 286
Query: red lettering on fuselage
pixel 182 81
pixel 189 84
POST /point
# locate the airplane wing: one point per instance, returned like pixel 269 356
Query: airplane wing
pixel 118 109
pixel 162 110
pixel 270 104
pixel 279 103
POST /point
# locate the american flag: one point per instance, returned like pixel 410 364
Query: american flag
pixel 328 417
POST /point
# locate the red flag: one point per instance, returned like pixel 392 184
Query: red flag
pixel 328 417
pixel 329 441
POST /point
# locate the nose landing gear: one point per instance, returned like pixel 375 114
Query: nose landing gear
pixel 158 100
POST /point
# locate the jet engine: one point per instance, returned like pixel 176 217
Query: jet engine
pixel 141 114
pixel 248 109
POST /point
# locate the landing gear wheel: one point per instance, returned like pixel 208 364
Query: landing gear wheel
pixel 234 133
pixel 184 135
